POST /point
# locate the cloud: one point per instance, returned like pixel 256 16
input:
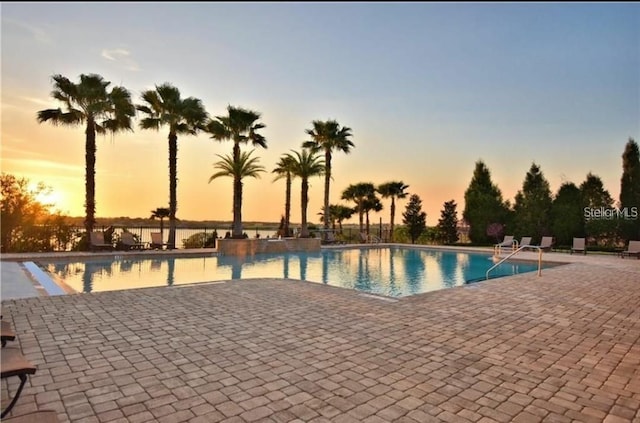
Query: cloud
pixel 38 34
pixel 120 56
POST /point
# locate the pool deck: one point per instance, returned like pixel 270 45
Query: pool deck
pixel 560 347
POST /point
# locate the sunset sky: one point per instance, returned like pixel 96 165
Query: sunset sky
pixel 427 89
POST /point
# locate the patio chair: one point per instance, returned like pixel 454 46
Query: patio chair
pixel 13 363
pixel 97 241
pixel 6 333
pixel 156 241
pixel 369 238
pixel 525 241
pixel 508 241
pixel 130 242
pixel 546 242
pixel 632 250
pixel 332 239
pixel 579 245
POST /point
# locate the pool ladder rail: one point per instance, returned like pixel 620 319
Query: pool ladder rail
pixel 516 251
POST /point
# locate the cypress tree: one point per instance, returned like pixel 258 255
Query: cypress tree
pixel 532 206
pixel 483 205
pixel 567 216
pixel 630 192
pixel 415 218
pixel 448 223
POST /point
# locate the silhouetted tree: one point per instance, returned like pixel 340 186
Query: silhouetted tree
pixel 448 223
pixel 630 192
pixel 567 215
pixel 359 193
pixel 602 229
pixel 283 171
pixel 532 206
pixel 414 218
pixel 161 213
pixel 244 166
pixel 164 106
pixel 393 190
pixel 483 204
pixel 305 165
pixel 328 137
pixel 239 126
pixel 91 104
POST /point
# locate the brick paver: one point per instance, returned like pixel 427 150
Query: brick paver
pixel 561 347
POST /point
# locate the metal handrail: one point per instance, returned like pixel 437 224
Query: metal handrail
pixel 535 247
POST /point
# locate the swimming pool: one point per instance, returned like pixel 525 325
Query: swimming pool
pixel 389 271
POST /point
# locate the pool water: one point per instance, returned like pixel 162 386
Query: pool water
pixel 389 271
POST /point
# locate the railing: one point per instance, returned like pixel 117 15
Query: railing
pixel 533 247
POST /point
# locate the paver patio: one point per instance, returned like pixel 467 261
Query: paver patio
pixel 564 347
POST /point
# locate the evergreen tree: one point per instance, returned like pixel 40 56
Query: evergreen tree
pixel 567 215
pixel 532 208
pixel 630 192
pixel 448 223
pixel 483 204
pixel 414 218
pixel 600 228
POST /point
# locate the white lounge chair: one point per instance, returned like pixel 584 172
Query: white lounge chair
pixel 579 244
pixel 525 241
pixel 508 241
pixel 156 241
pixel 97 241
pixel 130 242
pixel 632 250
pixel 546 243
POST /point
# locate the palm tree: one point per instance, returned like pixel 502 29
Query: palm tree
pixel 245 167
pixel 342 213
pixel 161 213
pixel 328 136
pixel 305 165
pixel 283 170
pixel 238 126
pixel 394 190
pixel 359 193
pixel 164 106
pixel 91 104
pixel 371 203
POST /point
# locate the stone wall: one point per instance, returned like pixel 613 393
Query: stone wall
pixel 243 247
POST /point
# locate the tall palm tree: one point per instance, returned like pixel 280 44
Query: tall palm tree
pixel 244 167
pixel 328 136
pixel 359 193
pixel 91 104
pixel 164 106
pixel 393 190
pixel 161 213
pixel 305 165
pixel 239 126
pixel 283 170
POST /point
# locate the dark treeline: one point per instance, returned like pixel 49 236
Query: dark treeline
pixel 585 211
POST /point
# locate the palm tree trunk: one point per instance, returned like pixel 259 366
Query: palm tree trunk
pixel 90 178
pixel 287 206
pixel 237 197
pixel 393 215
pixel 304 200
pixel 367 214
pixel 237 208
pixel 327 179
pixel 173 188
pixel 360 217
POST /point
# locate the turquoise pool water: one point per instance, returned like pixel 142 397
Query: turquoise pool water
pixel 389 271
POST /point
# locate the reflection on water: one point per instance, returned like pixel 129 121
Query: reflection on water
pixel 391 271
